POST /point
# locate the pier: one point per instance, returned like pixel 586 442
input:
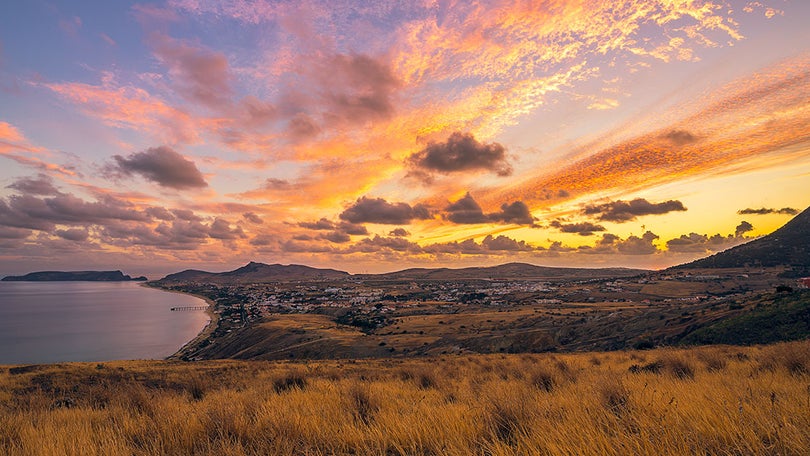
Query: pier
pixel 180 309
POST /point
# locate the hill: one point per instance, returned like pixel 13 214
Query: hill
pixel 257 273
pixel 505 271
pixel 788 246
pixel 73 276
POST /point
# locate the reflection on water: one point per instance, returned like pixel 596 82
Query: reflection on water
pixel 44 322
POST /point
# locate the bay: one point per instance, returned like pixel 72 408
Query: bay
pixel 47 322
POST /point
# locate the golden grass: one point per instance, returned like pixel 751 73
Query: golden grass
pixel 708 400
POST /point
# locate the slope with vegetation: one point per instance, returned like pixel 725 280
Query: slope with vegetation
pixel 707 400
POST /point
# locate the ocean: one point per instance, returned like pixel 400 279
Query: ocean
pixel 48 322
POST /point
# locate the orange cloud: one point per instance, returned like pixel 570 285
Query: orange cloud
pixel 748 119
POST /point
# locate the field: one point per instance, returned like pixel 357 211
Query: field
pixel 705 400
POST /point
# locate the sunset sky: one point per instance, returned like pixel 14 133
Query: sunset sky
pixel 154 137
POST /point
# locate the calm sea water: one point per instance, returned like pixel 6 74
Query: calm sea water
pixel 46 322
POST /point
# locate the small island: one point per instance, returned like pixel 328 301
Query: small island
pixel 74 276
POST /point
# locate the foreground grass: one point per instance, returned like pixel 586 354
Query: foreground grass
pixel 708 400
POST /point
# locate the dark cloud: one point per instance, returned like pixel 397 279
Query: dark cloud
pixel 517 213
pixel 467 211
pixel 399 232
pixel 461 152
pixel 179 234
pixel 468 247
pixel 74 234
pixel 340 230
pixel 610 244
pixel 680 137
pixel 606 245
pixel 200 74
pixel 489 244
pixel 743 228
pixel 159 213
pixel 378 210
pixel 504 243
pixel 271 183
pixel 163 166
pixel 31 212
pixel 352 229
pixel 359 88
pixel 624 211
pixel 174 235
pixel 186 214
pixel 702 243
pixel 263 240
pixel 252 218
pixel 183 232
pixel 691 243
pixel 548 194
pixel 293 246
pixel 583 228
pixel 40 185
pixel 13 233
pixel 322 224
pixel 635 245
pixel 765 211
pixel 338 237
pixel 377 243
pixel 221 229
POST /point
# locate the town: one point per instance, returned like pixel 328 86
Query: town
pixel 375 316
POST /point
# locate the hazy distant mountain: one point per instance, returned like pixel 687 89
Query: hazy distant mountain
pixel 73 276
pixel 505 271
pixel 257 273
pixel 787 246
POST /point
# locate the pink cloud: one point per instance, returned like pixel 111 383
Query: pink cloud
pixel 132 108
pixel 200 75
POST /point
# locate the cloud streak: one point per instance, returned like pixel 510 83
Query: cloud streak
pixel 625 211
pixel 765 211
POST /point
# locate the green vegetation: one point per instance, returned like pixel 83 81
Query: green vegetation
pixel 772 318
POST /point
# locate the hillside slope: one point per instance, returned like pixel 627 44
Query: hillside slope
pixel 787 246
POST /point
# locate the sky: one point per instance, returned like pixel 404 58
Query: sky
pixel 154 137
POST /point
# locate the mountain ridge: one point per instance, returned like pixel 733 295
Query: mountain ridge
pixel 74 276
pixel 261 272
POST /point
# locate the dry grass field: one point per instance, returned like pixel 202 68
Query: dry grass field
pixel 707 400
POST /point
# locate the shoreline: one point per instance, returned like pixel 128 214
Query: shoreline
pixel 205 333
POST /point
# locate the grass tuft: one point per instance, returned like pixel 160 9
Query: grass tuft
pixel 454 405
pixel 292 380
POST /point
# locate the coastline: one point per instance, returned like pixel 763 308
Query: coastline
pixel 205 333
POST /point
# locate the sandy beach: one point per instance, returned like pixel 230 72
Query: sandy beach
pixel 205 333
